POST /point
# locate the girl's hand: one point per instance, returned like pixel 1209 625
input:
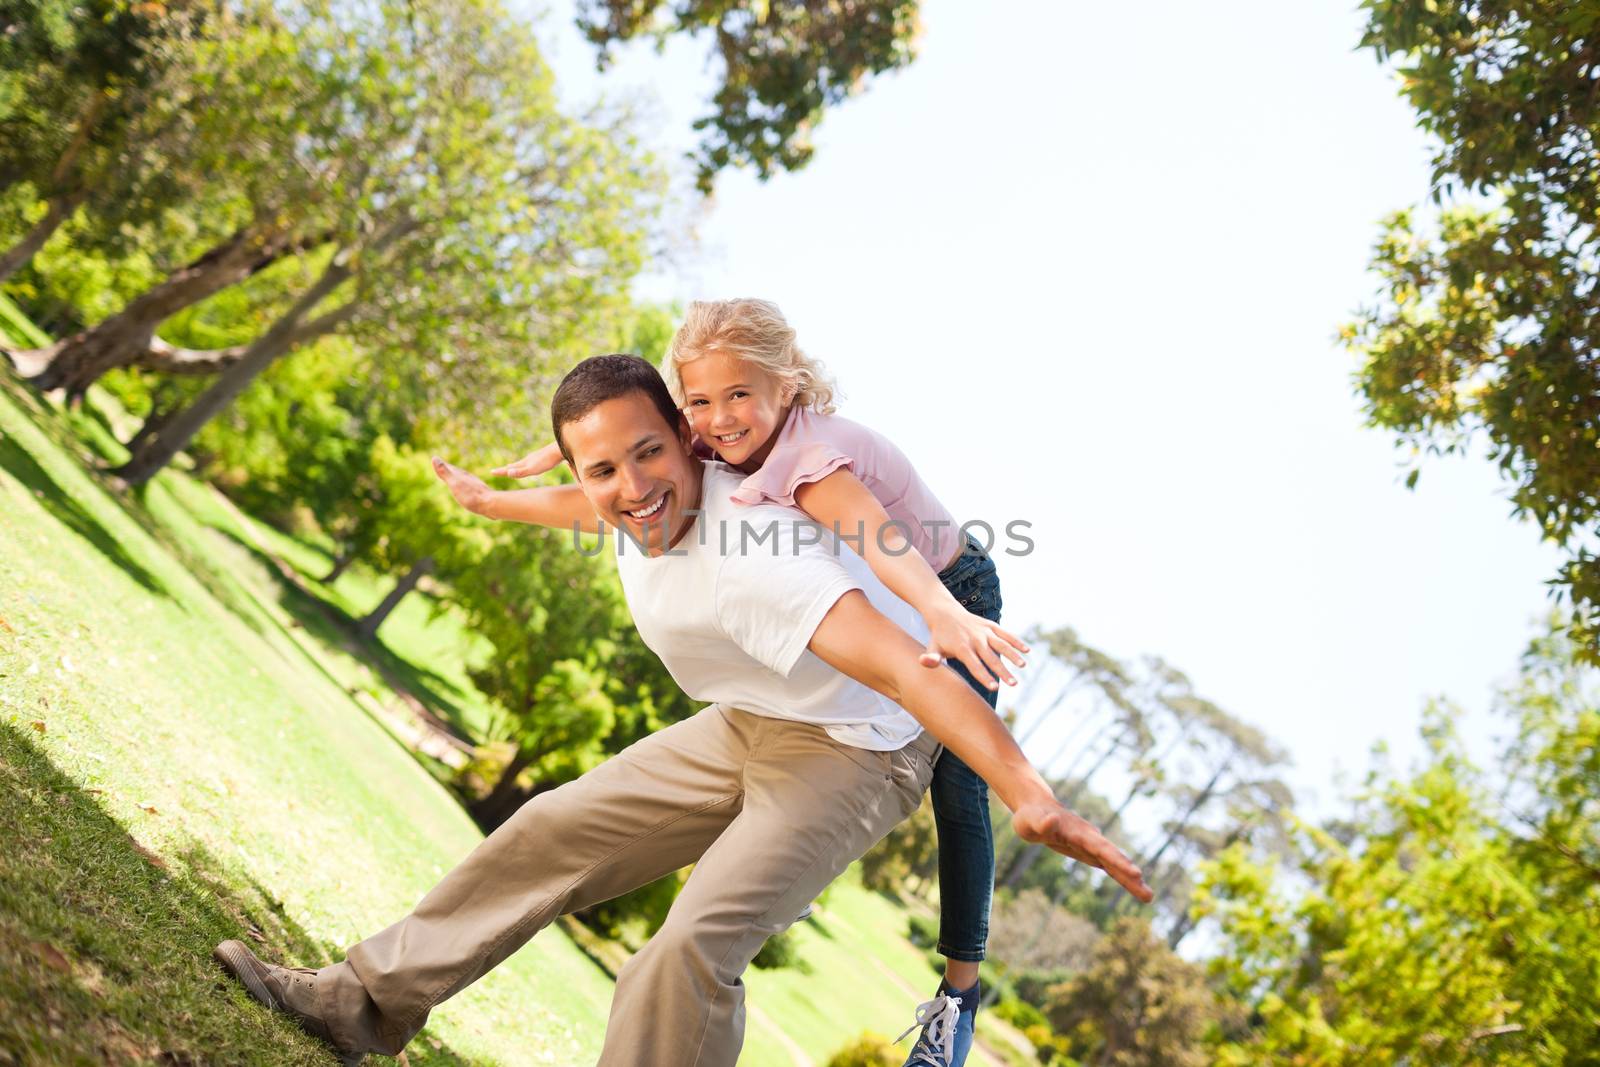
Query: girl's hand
pixel 470 491
pixel 533 464
pixel 1058 829
pixel 978 643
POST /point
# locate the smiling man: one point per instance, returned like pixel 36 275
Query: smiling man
pixel 805 757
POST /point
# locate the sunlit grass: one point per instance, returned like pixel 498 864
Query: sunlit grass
pixel 154 699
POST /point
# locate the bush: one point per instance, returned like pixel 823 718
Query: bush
pixel 868 1050
pixel 1019 1013
pixel 781 950
pixel 923 932
pixel 633 917
pixel 1034 986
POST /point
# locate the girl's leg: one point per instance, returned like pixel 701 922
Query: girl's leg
pixel 966 855
pixel 966 866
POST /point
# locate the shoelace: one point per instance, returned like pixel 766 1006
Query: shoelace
pixel 937 1017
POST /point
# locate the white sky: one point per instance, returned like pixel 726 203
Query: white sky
pixel 1084 264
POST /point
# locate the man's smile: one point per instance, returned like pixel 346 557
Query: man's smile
pixel 649 511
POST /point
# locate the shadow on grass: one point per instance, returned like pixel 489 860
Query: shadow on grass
pixel 332 625
pixel 21 465
pixel 105 947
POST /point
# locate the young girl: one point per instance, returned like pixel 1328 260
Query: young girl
pixel 766 408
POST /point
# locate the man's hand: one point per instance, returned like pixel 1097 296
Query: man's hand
pixel 976 642
pixel 1055 827
pixel 533 464
pixel 470 491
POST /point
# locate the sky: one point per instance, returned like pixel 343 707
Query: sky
pixel 1085 265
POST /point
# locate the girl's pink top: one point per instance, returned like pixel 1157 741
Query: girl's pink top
pixel 811 446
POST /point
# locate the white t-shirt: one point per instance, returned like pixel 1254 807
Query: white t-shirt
pixel 732 609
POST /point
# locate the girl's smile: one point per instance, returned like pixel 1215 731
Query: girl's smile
pixel 735 407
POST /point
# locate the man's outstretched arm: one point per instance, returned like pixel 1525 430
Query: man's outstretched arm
pixel 855 639
pixel 560 506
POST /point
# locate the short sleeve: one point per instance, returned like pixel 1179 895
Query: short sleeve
pixel 787 469
pixel 774 588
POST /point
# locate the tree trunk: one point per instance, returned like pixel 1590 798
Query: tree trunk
pixel 280 338
pixel 498 806
pixel 160 415
pixel 341 564
pixel 1201 799
pixel 126 337
pixel 368 627
pixel 18 255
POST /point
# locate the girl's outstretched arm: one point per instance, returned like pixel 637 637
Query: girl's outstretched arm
pixel 533 464
pixel 558 506
pixel 840 502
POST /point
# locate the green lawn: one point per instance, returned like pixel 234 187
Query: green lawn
pixel 177 769
pixel 189 752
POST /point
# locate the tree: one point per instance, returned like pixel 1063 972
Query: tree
pixel 83 88
pixel 783 64
pixel 1452 918
pixel 487 223
pixel 258 114
pixel 1490 324
pixel 1138 1004
pixel 413 530
pixel 911 850
pixel 1030 932
pixel 539 603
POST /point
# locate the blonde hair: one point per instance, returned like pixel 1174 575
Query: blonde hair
pixel 756 332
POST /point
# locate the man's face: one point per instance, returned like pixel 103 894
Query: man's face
pixel 635 469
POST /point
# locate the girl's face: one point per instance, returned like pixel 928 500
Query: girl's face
pixel 736 407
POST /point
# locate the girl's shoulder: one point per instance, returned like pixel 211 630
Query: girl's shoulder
pixel 846 435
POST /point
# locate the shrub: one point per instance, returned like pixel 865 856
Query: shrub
pixel 1019 1013
pixel 781 950
pixel 923 932
pixel 868 1050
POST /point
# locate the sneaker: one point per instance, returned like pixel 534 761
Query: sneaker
pixel 947 1023
pixel 290 990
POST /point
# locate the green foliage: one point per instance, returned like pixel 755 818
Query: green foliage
pixel 921 930
pixel 1452 918
pixel 1137 1004
pixel 1019 1013
pixel 782 65
pixel 1033 986
pixel 868 1050
pixel 1489 324
pixel 910 851
pixel 636 915
pixel 780 950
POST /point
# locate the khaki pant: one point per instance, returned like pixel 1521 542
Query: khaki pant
pixel 768 811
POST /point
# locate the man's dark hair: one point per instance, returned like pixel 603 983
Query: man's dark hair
pixel 601 378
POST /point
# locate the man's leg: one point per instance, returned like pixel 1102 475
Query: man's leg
pixel 647 811
pixel 811 806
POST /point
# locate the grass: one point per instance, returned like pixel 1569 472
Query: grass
pixel 179 769
pixel 187 753
pixel 18 327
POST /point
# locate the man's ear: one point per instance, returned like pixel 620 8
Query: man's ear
pixel 685 434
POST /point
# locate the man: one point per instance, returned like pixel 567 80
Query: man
pixel 803 761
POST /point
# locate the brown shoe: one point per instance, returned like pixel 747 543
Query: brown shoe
pixel 291 990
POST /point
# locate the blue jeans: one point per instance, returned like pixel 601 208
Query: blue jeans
pixel 960 797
